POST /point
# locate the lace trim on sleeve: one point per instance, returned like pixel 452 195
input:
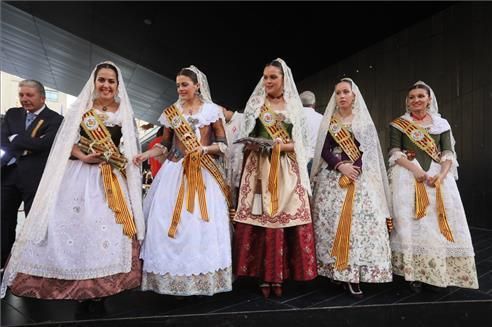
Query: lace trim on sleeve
pixel 449 155
pixel 164 121
pixel 222 146
pixel 395 154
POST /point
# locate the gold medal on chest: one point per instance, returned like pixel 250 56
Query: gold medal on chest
pixel 176 122
pixel 268 119
pixel 417 135
pixel 90 122
pixel 335 128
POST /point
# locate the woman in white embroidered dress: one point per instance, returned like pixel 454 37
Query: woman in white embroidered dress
pixel 195 258
pixel 425 250
pixel 360 219
pixel 71 245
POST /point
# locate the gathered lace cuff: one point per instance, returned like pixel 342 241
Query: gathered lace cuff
pixel 395 154
pixel 222 146
pixel 162 147
pixel 448 155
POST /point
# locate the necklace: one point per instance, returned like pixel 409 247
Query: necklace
pixel 193 107
pixel 417 118
pixel 105 107
pixel 277 97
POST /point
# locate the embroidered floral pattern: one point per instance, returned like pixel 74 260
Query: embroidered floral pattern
pixel 302 213
pixel 435 270
pixel 369 251
pixel 202 284
pixel 356 273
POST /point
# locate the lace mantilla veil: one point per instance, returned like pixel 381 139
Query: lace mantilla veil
pixel 36 225
pixel 374 170
pixel 294 112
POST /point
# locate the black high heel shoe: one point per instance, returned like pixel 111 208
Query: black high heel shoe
pixel 354 290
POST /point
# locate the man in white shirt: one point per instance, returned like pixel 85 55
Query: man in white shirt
pixel 313 120
pixel 234 154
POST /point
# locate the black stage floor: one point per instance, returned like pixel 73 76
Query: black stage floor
pixel 315 303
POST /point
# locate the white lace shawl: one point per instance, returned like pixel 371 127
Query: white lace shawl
pixel 373 168
pixel 294 113
pixel 36 225
pixel 208 114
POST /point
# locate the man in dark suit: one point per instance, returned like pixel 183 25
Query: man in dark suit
pixel 26 137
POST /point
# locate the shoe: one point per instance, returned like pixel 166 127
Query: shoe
pixel 277 289
pixel 434 289
pixel 265 290
pixel 354 290
pixel 416 287
pixel 90 309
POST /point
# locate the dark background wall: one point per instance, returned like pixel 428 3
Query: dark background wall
pixel 452 52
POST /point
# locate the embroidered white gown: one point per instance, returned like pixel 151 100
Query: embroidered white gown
pixel 197 261
pixel 83 241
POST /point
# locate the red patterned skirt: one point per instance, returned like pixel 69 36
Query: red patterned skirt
pixel 274 254
pixel 62 289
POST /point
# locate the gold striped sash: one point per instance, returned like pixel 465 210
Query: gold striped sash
pixel 441 212
pixel 116 200
pixel 100 136
pixel 421 200
pixel 276 130
pixel 344 139
pixel 341 245
pixel 192 170
pixel 100 141
pixel 419 136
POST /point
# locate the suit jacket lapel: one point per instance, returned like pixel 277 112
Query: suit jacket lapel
pixel 20 121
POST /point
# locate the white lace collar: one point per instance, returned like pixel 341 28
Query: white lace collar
pixel 209 113
pixel 439 125
pixel 110 118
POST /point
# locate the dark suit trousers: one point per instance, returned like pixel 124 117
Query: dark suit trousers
pixel 13 193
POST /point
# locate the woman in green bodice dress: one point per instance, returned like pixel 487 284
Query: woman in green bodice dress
pixel 431 241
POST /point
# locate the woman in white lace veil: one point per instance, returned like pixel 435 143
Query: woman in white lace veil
pixel 334 173
pixel 71 239
pixel 187 248
pixel 273 214
pixel 431 243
